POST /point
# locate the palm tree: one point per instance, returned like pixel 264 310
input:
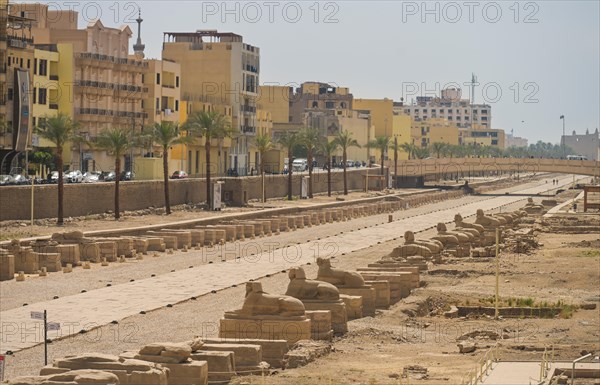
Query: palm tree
pixel 344 140
pixel 289 140
pixel 381 143
pixel 439 148
pixel 167 134
pixel 59 130
pixel 209 125
pixel 263 144
pixel 421 152
pixel 328 148
pixel 409 148
pixel 115 141
pixel 395 146
pixel 310 140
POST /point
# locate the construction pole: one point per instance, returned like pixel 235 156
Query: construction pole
pixel 496 313
pixel 45 337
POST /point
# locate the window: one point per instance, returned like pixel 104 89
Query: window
pixel 9 94
pixel 157 103
pixel 449 117
pixel 176 81
pixel 484 111
pixel 34 121
pixel 21 62
pixel 34 95
pixel 42 96
pixel 157 78
pixel 315 104
pixel 28 63
pixel 458 118
pixel 43 67
pixel 494 142
pixel 441 111
pixel 433 110
pixel 329 105
pixel 176 105
pixel 466 111
pixel 484 118
pixel 35 64
pixel 143 78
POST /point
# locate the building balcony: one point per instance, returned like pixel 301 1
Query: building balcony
pixel 110 60
pixel 53 77
pixel 248 109
pixel 248 130
pixel 250 68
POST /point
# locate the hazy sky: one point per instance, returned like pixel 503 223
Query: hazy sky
pixel 534 61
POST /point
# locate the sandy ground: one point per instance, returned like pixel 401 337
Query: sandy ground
pixel 377 349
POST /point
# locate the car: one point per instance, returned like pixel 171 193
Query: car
pixel 127 175
pixel 5 180
pixel 91 176
pixel 75 177
pixel 19 179
pixel 300 164
pixel 179 174
pixel 108 176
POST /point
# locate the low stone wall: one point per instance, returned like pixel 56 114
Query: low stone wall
pixel 510 312
pixel 95 198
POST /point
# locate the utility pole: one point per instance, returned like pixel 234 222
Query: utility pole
pixel 562 117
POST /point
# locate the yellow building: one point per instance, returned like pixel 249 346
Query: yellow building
pixel 276 100
pixel 382 115
pixel 426 132
pixel 483 137
pixel 222 70
pixel 162 78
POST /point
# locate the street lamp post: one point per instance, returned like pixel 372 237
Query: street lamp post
pixel 562 117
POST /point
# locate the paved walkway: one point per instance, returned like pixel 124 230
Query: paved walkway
pixel 557 209
pixel 101 306
pixel 526 373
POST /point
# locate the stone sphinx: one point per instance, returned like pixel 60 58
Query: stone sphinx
pixel 318 295
pixel 259 304
pixel 532 208
pixel 338 277
pixel 489 223
pixel 308 289
pixel 462 225
pixel 348 283
pixel 456 242
pixel 433 245
pixel 266 316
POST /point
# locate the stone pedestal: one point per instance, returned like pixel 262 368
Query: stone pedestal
pixel 339 316
pixel 51 261
pixel 155 244
pixel 382 293
pixel 140 245
pixel 221 366
pixel 184 238
pixel 320 325
pixel 368 298
pixel 266 328
pixel 7 266
pixel 108 250
pixel 246 357
pixel 401 283
pixel 354 306
pixel 273 351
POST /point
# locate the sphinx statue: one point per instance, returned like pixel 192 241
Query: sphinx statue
pixel 258 303
pixel 489 223
pixel 463 237
pixel 308 289
pixel 409 250
pixel 338 277
pixel 532 208
pixel 462 225
pixel 433 245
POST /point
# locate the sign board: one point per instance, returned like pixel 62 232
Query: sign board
pixel 53 326
pixel 37 315
pixel 304 192
pixel 2 362
pixel 21 109
pixel 217 189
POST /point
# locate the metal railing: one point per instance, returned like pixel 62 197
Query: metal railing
pixel 482 368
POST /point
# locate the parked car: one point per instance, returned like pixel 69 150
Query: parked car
pixel 19 179
pixel 75 177
pixel 91 177
pixel 300 164
pixel 5 180
pixel 179 174
pixel 127 175
pixel 109 176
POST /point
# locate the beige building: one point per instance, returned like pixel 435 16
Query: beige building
pixel 220 69
pixel 515 141
pixel 100 85
pixel 482 137
pixel 426 132
pixel 162 78
pixel 16 62
pixel 449 106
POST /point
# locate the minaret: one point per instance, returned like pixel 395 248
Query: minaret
pixel 138 47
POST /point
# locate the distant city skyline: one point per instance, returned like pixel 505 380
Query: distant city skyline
pixel 534 61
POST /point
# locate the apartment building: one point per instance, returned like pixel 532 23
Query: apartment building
pixel 449 106
pixel 587 144
pixel 481 136
pixel 220 69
